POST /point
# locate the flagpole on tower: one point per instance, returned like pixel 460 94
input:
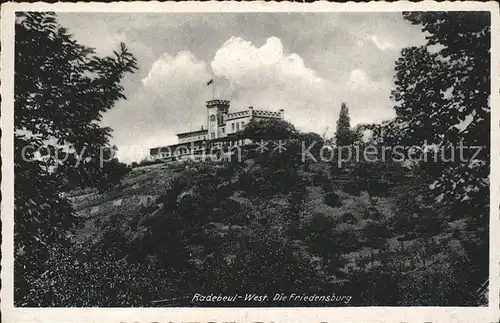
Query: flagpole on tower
pixel 211 82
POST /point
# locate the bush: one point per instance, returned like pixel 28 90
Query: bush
pixel 372 213
pixel 380 189
pixel 147 162
pixel 348 218
pixel 328 186
pixel 318 234
pixel 333 200
pixel 376 233
pixel 352 188
pixel 347 240
pixel 259 266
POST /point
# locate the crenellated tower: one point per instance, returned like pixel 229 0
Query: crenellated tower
pixel 215 116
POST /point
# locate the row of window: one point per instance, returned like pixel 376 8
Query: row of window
pixel 189 139
pixel 236 125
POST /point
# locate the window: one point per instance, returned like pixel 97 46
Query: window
pixel 232 125
pixel 223 130
pixel 213 135
pixel 242 124
pixel 237 126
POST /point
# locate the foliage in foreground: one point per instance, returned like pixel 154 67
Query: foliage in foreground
pixel 60 95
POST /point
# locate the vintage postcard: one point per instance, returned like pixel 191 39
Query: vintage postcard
pixel 250 162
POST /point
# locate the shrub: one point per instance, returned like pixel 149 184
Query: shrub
pixel 380 189
pixel 376 233
pixel 372 213
pixel 352 188
pixel 348 218
pixel 319 178
pixel 328 186
pixel 347 240
pixel 333 200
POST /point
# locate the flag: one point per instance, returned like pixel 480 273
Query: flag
pixel 210 82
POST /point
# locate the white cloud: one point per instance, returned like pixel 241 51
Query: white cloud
pixel 171 100
pixel 267 78
pixel 359 80
pixel 177 72
pixel 135 152
pixel 244 64
pixel 382 45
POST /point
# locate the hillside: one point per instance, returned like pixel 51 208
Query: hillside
pixel 252 227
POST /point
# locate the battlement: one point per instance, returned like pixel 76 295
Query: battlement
pixel 268 114
pixel 236 115
pixel 212 103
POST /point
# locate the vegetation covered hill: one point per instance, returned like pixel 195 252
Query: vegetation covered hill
pixel 259 226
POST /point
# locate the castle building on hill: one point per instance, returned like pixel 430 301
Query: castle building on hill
pixel 220 131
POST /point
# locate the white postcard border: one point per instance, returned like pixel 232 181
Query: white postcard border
pixel 349 314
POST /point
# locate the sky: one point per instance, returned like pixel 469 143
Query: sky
pixel 304 63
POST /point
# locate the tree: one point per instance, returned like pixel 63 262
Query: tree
pixel 442 99
pixel 60 95
pixel 344 134
pixel 271 129
pixel 442 92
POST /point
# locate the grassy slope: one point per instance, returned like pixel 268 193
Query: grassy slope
pixel 143 185
pixel 136 198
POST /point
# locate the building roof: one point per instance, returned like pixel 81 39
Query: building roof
pixel 192 133
pixel 255 113
pixel 237 115
pixel 173 146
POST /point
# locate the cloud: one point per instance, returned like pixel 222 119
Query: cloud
pixel 382 45
pixel 129 152
pixel 174 74
pixel 360 81
pixel 244 64
pixel 170 100
pixel 267 77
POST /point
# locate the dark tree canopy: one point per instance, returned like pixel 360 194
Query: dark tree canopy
pixel 442 93
pixel 61 91
pixel 269 129
pixel 442 98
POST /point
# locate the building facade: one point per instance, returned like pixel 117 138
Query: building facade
pixel 220 132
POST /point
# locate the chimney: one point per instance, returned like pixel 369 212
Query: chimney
pixel 282 113
pixel 251 111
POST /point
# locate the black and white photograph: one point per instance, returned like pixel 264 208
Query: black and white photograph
pixel 247 157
